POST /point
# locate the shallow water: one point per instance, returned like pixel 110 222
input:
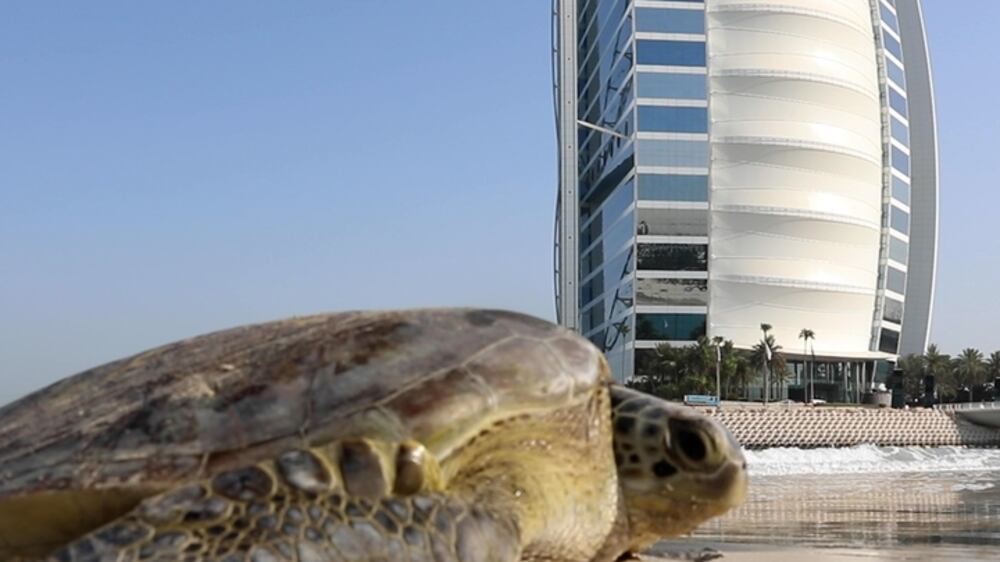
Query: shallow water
pixel 865 502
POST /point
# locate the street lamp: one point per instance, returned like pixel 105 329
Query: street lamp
pixel 806 335
pixel 765 328
pixel 717 340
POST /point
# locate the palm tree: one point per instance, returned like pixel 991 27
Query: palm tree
pixel 969 368
pixel 993 366
pixel 914 368
pixel 766 351
pixel 739 368
pixel 767 356
pixel 938 365
pixel 658 375
pixel 696 365
pixel 805 335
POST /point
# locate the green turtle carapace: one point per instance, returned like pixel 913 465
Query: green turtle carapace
pixel 425 435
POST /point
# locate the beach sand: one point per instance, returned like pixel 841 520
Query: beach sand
pixel 930 515
pixel 745 553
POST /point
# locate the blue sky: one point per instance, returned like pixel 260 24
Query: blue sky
pixel 172 168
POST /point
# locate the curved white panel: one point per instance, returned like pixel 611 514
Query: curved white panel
pixel 923 180
pixel 796 171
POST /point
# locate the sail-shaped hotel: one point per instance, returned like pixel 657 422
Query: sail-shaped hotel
pixel 731 163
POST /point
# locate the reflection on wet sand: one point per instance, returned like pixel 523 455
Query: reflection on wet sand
pixel 837 510
pixel 901 516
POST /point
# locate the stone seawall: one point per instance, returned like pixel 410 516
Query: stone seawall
pixel 805 427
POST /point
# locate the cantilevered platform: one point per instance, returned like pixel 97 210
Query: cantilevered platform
pixel 980 413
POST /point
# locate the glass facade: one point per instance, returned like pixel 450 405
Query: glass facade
pixel 673 184
pixel 606 95
pixel 653 92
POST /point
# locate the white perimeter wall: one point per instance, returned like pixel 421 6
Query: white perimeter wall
pixel 796 171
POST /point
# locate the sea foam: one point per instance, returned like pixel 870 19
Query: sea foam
pixel 870 459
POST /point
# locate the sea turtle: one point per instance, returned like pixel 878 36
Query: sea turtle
pixel 441 435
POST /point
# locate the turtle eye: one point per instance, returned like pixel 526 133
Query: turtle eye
pixel 692 442
pixel 692 445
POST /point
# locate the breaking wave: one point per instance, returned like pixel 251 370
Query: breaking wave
pixel 870 459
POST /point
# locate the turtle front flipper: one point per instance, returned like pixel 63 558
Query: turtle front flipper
pixel 334 528
pixel 300 509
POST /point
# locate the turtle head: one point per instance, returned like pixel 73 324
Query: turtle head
pixel 676 467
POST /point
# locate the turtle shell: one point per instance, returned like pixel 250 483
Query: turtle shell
pixel 91 446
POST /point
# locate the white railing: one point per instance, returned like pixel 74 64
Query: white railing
pixel 968 406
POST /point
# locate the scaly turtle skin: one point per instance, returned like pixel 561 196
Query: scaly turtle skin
pixel 445 435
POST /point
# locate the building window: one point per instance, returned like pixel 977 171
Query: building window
pixel 889 18
pixel 673 257
pixel 901 190
pixel 592 260
pixel 895 73
pixel 895 280
pixel 900 161
pixel 597 338
pixel 591 232
pixel 897 102
pixel 619 235
pixel 659 119
pixel 592 317
pixel 676 153
pixel 616 203
pixel 661 187
pixel 608 16
pixel 603 176
pixel 893 46
pixel 672 292
pixel 888 341
pixel 893 311
pixel 661 20
pixel 618 268
pixel 591 290
pixel 900 220
pixel 608 212
pixel 673 222
pixel 672 86
pixel 673 327
pixel 670 53
pixel 900 131
pixel 898 250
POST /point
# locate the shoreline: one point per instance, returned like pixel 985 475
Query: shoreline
pixel 688 550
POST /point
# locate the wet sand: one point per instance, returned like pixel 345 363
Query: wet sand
pixel 891 516
pixel 765 554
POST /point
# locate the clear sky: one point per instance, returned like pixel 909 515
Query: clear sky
pixel 172 168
